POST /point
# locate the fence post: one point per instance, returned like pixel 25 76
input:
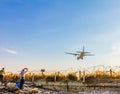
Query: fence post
pixel 79 75
pixel 83 76
pixel 33 77
pixel 67 86
pixel 55 77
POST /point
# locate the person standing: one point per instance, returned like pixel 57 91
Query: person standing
pixel 22 77
pixel 2 73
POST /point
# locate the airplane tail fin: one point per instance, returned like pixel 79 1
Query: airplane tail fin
pixel 83 48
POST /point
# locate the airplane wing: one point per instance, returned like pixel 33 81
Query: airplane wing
pixel 75 54
pixel 82 52
pixel 89 54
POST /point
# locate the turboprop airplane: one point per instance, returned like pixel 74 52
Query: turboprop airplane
pixel 81 54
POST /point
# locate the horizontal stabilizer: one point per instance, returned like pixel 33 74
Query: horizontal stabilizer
pixel 72 54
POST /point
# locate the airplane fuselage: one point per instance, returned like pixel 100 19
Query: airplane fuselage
pixel 82 54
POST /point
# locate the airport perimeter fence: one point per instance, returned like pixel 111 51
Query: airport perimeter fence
pixel 98 73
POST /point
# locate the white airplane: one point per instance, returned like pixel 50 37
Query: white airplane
pixel 81 54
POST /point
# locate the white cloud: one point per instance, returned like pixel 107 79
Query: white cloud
pixel 9 51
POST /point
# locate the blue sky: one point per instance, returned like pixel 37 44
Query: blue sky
pixel 37 33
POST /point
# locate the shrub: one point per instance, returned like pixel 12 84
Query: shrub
pixel 72 76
